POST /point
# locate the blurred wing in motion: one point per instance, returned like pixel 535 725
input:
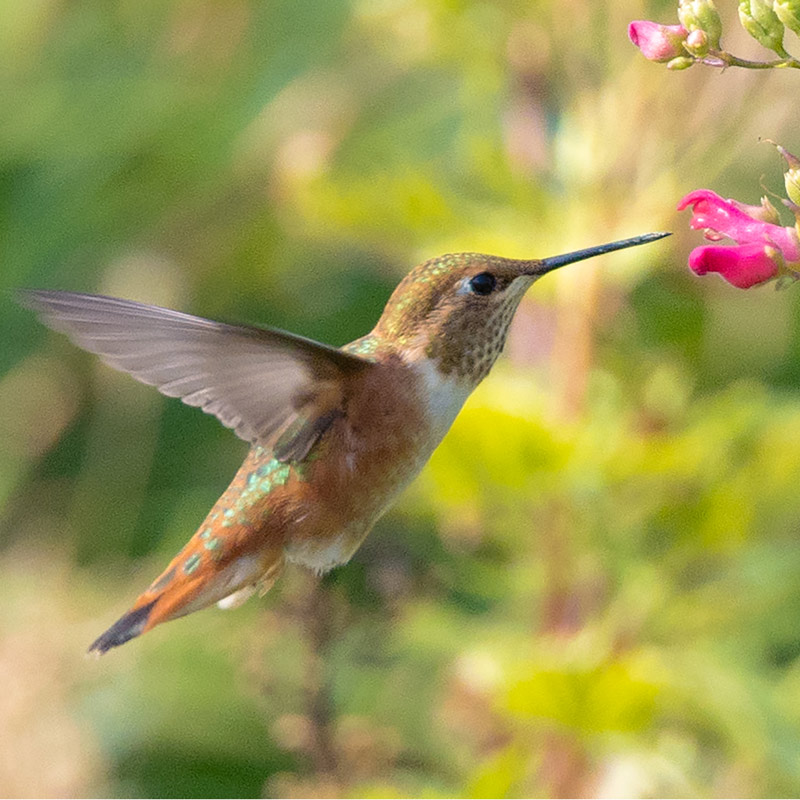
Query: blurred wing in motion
pixel 262 383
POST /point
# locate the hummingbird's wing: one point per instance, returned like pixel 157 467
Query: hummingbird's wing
pixel 271 387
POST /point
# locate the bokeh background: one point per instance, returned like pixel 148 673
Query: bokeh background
pixel 593 587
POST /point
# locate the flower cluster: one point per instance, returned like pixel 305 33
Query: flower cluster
pixel 697 38
pixel 763 248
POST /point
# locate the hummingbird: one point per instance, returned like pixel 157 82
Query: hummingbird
pixel 335 434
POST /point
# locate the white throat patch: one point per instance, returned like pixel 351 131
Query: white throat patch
pixel 444 395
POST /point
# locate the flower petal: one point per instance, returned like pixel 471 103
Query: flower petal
pixel 657 42
pixel 730 218
pixel 742 266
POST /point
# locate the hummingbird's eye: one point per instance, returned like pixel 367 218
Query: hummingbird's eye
pixel 483 283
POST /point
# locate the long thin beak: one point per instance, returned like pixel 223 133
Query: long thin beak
pixel 554 262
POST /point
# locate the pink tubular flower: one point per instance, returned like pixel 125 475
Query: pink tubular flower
pixel 763 249
pixel 658 42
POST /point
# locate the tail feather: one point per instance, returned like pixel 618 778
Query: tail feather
pixel 178 592
pixel 124 629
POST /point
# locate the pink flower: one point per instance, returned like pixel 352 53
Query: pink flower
pixel 658 42
pixel 762 250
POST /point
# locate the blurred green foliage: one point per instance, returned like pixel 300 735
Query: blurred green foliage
pixel 591 590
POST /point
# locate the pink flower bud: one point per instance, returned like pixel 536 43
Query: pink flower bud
pixel 697 43
pixel 763 249
pixel 658 42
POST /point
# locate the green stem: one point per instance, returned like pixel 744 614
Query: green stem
pixel 721 58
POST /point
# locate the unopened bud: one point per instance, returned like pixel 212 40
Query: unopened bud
pixel 701 15
pixel 682 62
pixel 657 42
pixel 791 178
pixel 697 43
pixel 788 12
pixel 762 23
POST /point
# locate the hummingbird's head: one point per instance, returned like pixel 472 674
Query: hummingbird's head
pixel 456 309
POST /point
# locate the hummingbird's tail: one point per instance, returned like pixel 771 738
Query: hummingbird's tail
pixel 192 581
pixel 124 629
